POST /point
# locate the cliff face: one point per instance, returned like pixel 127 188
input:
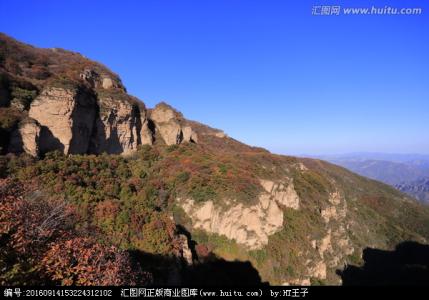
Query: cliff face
pixel 170 125
pixel 66 119
pixel 78 121
pixel 83 108
pixel 249 225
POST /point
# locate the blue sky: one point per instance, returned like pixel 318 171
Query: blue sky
pixel 268 73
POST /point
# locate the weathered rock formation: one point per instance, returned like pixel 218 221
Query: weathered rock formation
pixel 332 248
pixel 121 127
pixel 247 225
pixel 66 117
pixel 26 137
pixel 79 120
pixel 170 125
pixel 282 193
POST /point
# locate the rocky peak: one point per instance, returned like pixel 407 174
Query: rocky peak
pixel 97 80
pixel 78 106
pixel 171 125
pixel 79 120
pixel 163 113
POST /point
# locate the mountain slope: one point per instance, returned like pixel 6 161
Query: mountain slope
pixel 418 188
pixel 407 173
pixel 184 197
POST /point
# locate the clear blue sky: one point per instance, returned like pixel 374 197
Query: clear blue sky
pixel 266 72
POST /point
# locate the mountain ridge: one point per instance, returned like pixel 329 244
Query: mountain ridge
pixel 183 190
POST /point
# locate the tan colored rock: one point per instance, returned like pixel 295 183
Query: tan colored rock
pixel 189 135
pixel 146 135
pixel 220 134
pixel 247 225
pixel 302 167
pixel 337 210
pixel 335 198
pixel 329 213
pixel 318 270
pixel 163 113
pixel 298 282
pixel 26 138
pixel 67 118
pixel 107 83
pixel 283 193
pixel 121 128
pixel 168 123
pixel 268 185
pixel 171 132
pixel 186 252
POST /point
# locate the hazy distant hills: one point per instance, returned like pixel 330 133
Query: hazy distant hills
pixel 418 188
pixel 407 172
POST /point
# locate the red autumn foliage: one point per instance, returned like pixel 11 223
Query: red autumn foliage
pixel 37 235
pixel 81 261
pixel 202 251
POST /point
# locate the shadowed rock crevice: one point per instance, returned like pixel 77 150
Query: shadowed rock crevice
pixel 48 142
pixel 408 264
pixel 82 119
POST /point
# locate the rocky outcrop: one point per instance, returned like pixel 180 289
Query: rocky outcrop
pixel 189 135
pixel 334 211
pixel 66 117
pixel 97 80
pixel 250 225
pixel 79 105
pixel 26 137
pixel 107 83
pixel 282 192
pixel 76 120
pixel 121 127
pixel 333 248
pixel 329 251
pixel 185 251
pixel 169 124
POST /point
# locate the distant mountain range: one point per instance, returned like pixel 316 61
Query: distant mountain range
pixel 408 173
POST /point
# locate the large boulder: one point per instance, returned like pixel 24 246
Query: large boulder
pixel 170 125
pixel 26 137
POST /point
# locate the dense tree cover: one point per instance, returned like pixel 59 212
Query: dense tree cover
pixel 73 219
pixel 122 208
pixel 110 206
pixel 129 198
pixel 40 245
